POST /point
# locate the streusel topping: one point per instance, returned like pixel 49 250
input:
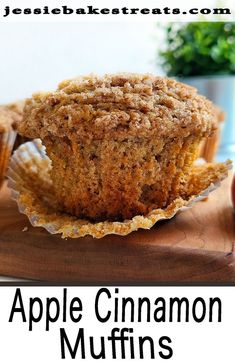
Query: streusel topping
pixel 120 107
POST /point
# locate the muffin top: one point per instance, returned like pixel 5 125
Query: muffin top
pixel 119 106
pixel 10 114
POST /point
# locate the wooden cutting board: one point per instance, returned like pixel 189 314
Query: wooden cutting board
pixel 195 246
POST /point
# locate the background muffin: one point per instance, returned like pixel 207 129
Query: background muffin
pixel 120 145
pixel 9 115
pixel 209 146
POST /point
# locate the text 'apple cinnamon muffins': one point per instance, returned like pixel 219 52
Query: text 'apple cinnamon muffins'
pixel 120 145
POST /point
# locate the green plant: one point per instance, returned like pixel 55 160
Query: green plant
pixel 200 48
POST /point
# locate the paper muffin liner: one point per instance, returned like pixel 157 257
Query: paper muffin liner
pixel 32 188
pixel 7 140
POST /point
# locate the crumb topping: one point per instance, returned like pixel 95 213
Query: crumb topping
pixel 120 106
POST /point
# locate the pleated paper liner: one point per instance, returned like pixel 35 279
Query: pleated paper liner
pixel 32 188
pixel 7 140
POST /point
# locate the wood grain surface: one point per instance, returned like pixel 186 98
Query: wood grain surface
pixel 195 246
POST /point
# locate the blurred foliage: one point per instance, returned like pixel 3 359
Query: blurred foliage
pixel 200 48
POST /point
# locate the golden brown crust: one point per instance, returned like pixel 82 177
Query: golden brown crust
pixel 118 107
pixel 10 114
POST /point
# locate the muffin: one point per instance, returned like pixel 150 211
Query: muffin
pixel 9 115
pixel 209 146
pixel 120 145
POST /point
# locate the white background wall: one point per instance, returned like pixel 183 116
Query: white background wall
pixel 36 56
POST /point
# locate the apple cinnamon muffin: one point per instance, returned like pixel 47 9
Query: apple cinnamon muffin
pixel 10 114
pixel 121 145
